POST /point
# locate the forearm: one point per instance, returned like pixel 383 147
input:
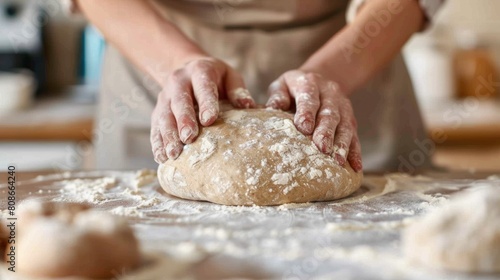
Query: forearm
pixel 152 43
pixel 361 49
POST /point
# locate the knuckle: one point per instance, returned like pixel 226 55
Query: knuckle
pixel 188 118
pixel 207 89
pixel 312 77
pixel 162 121
pixel 157 149
pixel 304 112
pixel 344 130
pixel 335 116
pixel 325 112
pixel 293 73
pixel 177 76
pixel 327 132
pixel 275 86
pixel 169 136
pixel 183 97
pixel 155 133
pixel 309 77
pixel 304 97
pixel 205 77
pixel 202 66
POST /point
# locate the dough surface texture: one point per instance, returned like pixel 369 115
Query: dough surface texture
pixel 463 235
pixel 256 157
pixel 68 239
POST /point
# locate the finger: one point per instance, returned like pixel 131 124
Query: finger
pixel 304 90
pixel 182 106
pixel 279 97
pixel 169 133
pixel 327 120
pixel 343 137
pixel 354 156
pixel 344 133
pixel 237 93
pixel 157 144
pixel 204 81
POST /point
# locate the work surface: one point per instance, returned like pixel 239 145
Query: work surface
pixel 353 238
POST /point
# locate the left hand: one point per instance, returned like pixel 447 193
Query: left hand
pixel 321 110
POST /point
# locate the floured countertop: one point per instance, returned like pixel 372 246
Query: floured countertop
pixel 353 238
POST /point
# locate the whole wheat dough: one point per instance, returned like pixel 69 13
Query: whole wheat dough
pixel 256 157
pixel 68 239
pixel 464 235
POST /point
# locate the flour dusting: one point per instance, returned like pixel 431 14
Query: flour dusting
pixel 361 231
pixel 208 146
pixel 86 190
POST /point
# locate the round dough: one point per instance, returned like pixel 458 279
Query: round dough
pixel 464 235
pixel 256 157
pixel 67 239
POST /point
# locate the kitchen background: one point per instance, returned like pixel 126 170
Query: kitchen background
pixel 50 67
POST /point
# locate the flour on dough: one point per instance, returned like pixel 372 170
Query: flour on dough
pixel 256 157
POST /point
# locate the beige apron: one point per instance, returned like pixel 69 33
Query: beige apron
pixel 390 127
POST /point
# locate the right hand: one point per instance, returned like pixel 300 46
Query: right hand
pixel 202 81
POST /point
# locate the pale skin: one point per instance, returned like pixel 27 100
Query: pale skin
pixel 189 76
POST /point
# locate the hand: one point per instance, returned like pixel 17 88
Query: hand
pixel 202 81
pixel 321 110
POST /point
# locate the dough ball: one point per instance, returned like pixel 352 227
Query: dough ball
pixel 256 157
pixel 464 235
pixel 68 239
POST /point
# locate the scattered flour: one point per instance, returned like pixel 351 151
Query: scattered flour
pixel 191 227
pixel 127 211
pixel 87 190
pixel 357 226
pixel 144 177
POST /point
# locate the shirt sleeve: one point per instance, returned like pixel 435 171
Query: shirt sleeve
pixel 429 7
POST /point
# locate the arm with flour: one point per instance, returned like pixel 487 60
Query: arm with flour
pixel 320 87
pixel 187 74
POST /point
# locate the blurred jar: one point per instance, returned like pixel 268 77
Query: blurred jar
pixel 17 90
pixel 429 62
pixel 474 69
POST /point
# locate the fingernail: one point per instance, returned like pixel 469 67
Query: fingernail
pixel 307 126
pixel 186 132
pixel 245 103
pixel 325 145
pixel 271 104
pixel 241 93
pixel 206 116
pixel 173 151
pixel 359 165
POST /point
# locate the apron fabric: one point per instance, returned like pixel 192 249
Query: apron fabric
pixel 389 125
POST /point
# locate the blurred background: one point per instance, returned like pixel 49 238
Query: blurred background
pixel 50 66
